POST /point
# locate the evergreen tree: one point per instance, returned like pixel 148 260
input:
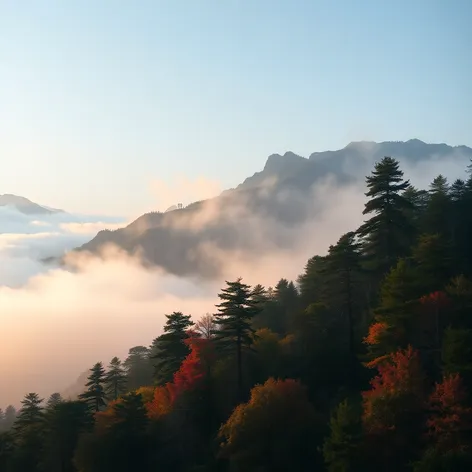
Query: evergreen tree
pixel 64 423
pixel 138 367
pixel 171 346
pixel 341 449
pixel 94 396
pixel 386 235
pixel 438 212
pixel 235 313
pixel 115 380
pixel 342 287
pixel 54 400
pixel 31 412
pixel 10 416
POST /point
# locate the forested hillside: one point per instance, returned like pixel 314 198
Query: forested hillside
pixel 362 364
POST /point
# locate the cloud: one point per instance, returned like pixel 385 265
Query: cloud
pixel 60 323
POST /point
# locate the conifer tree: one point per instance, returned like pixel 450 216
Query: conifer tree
pixel 31 412
pixel 94 396
pixel 172 349
pixel 235 312
pixel 54 400
pixel 115 380
pixel 387 234
pixel 438 211
pixel 10 416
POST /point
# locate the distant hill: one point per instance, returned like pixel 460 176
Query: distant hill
pixel 262 212
pixel 26 206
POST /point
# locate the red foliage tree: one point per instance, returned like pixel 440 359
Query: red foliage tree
pixel 393 409
pixel 450 421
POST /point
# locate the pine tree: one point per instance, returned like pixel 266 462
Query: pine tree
pixel 342 281
pixel 439 210
pixel 115 379
pixel 234 316
pixel 341 449
pixel 94 396
pixel 386 235
pixel 31 412
pixel 171 346
pixel 54 400
pixel 10 416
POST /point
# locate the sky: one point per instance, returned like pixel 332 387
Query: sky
pixel 101 102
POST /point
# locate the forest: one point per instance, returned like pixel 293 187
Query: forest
pixel 364 363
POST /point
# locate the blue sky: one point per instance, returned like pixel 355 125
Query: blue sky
pixel 98 98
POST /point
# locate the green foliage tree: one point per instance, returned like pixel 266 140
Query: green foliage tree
pixel 64 423
pixel 54 400
pixel 235 313
pixel 138 367
pixel 172 349
pixel 95 395
pixel 342 448
pixel 115 379
pixel 386 235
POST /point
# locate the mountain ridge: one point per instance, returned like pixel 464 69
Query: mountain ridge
pixel 280 196
pixel 26 206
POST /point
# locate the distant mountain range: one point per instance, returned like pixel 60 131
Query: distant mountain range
pixel 260 213
pixel 25 206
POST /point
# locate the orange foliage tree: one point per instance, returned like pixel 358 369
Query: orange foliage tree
pixel 273 430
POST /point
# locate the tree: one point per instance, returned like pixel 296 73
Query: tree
pixel 341 450
pixel 94 396
pixel 387 234
pixel 115 380
pixel 450 420
pixel 10 416
pixel 342 280
pixel 31 412
pixel 438 212
pixel 393 414
pixel 171 345
pixel 138 367
pixel 273 431
pixel 205 326
pixel 54 400
pixel 234 316
pixel 64 423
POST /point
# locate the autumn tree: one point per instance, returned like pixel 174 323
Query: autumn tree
pixel 235 312
pixel 95 395
pixel 273 431
pixel 115 379
pixel 387 234
pixel 393 413
pixel 205 326
pixel 171 346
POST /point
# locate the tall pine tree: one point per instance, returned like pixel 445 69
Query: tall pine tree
pixel 94 396
pixel 171 347
pixel 115 380
pixel 235 313
pixel 387 234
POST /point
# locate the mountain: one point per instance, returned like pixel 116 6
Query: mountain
pixel 26 206
pixel 264 212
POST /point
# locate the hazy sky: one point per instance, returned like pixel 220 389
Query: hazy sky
pixel 99 100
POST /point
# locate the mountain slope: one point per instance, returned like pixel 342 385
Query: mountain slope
pixel 261 214
pixel 26 206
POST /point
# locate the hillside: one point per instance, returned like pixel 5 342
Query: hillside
pixel 260 212
pixel 25 206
